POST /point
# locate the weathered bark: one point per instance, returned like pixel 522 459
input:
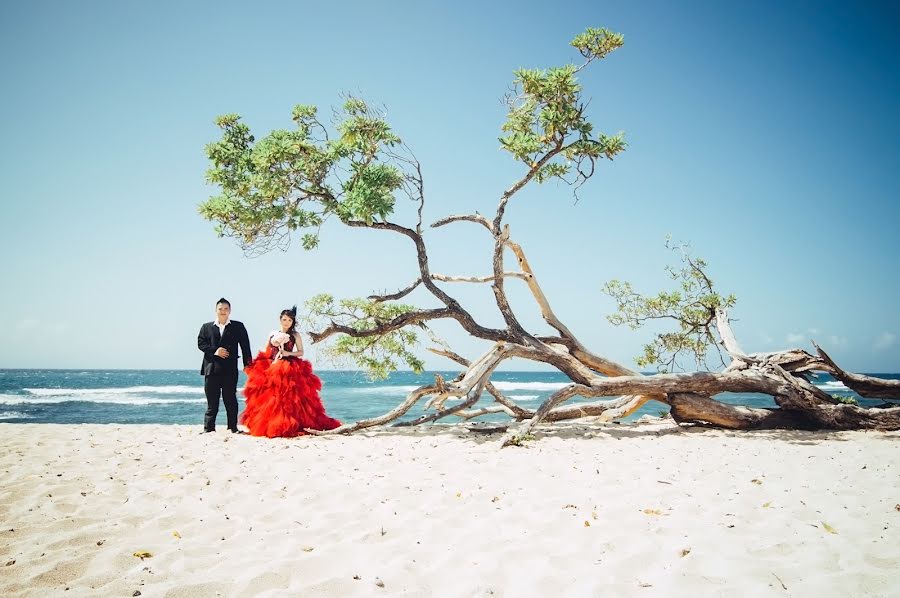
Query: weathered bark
pixel 866 386
pixel 695 408
pixel 398 411
pixel 398 295
pixel 471 399
pixel 445 278
pixel 508 405
pixel 781 375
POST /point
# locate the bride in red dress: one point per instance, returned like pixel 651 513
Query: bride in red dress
pixel 282 391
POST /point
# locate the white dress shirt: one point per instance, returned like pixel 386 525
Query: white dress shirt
pixel 221 327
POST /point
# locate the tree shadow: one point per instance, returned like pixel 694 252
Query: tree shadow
pixel 482 432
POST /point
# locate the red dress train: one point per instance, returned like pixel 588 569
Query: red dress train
pixel 283 397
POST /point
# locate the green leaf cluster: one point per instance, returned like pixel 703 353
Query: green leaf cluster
pixel 546 128
pixel 691 307
pixel 597 43
pixel 520 439
pixel 378 355
pixel 289 180
pixel 845 400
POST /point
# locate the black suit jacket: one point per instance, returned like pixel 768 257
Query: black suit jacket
pixel 233 336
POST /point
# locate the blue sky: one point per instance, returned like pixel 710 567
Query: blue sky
pixel 764 133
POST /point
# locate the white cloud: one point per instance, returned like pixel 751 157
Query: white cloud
pixel 837 341
pixel 793 338
pixel 885 341
pixel 814 331
pixel 29 324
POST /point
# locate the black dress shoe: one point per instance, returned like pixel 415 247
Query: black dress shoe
pixel 236 431
pixel 207 431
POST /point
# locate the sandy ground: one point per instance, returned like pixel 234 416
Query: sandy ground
pixel 640 510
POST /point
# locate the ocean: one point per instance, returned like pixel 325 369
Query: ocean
pixel 176 396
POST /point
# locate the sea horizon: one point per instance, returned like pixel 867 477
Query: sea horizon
pixel 175 396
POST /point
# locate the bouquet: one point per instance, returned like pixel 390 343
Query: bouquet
pixel 278 339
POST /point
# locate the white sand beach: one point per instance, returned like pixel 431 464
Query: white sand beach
pixel 639 510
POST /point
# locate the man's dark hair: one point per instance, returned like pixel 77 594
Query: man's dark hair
pixel 225 301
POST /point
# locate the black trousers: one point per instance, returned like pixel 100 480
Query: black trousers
pixel 225 385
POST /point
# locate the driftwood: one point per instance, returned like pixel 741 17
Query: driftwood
pixel 781 375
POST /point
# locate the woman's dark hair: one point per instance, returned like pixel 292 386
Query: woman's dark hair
pixel 223 300
pixel 292 314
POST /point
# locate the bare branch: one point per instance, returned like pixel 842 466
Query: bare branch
pixel 398 295
pixel 406 319
pixel 723 325
pixel 414 184
pixel 476 218
pixel 398 411
pixel 866 386
pixel 484 411
pixel 445 278
pixel 535 288
pixel 499 294
pixel 692 407
pixel 471 398
pixel 515 437
pixel 532 171
pixel 508 404
pixel 604 411
pixel 624 406
pixel 458 313
pixel 450 355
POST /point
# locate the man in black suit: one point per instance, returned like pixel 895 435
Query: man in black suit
pixel 219 342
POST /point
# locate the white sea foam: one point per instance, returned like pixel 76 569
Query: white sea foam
pixel 386 390
pixel 500 385
pixel 113 399
pixel 503 385
pixel 128 390
pixel 13 415
pixel 524 397
pixel 832 385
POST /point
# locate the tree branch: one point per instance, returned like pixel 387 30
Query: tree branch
pixel 458 313
pixel 516 437
pixel 445 278
pixel 866 386
pixel 508 404
pixel 398 295
pixel 471 398
pixel 398 411
pixel 535 167
pixel 499 294
pixel 476 218
pixel 406 319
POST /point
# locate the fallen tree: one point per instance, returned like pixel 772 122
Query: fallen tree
pixel 296 180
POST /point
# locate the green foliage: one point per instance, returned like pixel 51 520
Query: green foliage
pixel 378 354
pixel 546 119
pixel 291 181
pixel 597 43
pixel 369 193
pixel 288 180
pixel 520 440
pixel 692 307
pixel 845 400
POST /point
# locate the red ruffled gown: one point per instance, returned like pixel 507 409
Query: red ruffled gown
pixel 283 396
